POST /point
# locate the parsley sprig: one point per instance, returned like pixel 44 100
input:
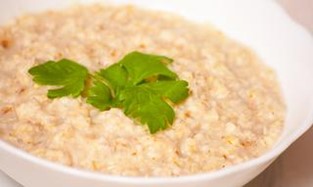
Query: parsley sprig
pixel 140 84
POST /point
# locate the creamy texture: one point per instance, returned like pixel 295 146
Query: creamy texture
pixel 235 112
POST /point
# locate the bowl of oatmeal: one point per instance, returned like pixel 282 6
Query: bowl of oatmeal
pixel 248 80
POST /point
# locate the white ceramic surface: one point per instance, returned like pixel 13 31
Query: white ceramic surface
pixel 262 25
pixel 6 181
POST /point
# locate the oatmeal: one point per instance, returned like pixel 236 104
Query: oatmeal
pixel 234 113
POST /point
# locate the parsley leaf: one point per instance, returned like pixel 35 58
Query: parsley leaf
pixel 140 84
pixel 66 74
pixel 99 95
pixel 141 66
pixel 147 107
pixel 115 75
pixel 176 91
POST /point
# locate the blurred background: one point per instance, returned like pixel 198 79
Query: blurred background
pixel 300 10
pixel 294 168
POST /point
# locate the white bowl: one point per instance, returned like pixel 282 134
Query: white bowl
pixel 262 25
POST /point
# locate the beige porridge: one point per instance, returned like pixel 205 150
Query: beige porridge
pixel 235 112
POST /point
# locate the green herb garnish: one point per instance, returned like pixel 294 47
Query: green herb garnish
pixel 139 84
pixel 64 73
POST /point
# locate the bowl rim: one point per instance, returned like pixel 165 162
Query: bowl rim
pixel 273 153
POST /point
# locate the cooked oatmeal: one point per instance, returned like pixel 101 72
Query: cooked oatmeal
pixel 235 112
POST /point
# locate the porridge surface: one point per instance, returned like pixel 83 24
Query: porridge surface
pixel 235 112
